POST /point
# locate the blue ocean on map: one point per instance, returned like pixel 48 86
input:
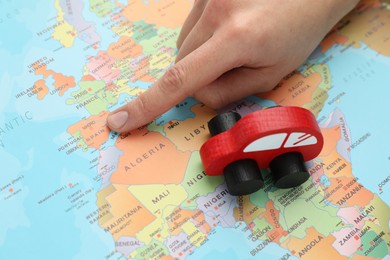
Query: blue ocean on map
pixel 65 236
pixel 363 76
pixel 37 161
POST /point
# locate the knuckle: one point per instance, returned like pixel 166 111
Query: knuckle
pixel 239 27
pixel 236 30
pixel 213 100
pixel 173 80
pixel 216 6
pixel 143 104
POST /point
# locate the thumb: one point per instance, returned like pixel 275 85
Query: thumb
pixel 196 70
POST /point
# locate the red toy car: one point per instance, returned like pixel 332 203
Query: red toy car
pixel 279 138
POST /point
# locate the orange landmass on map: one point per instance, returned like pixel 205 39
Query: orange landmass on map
pixel 61 83
pixel 165 13
pixel 93 130
pixel 190 134
pixel 124 48
pixel 369 26
pixel 111 86
pixel 330 157
pixel 174 225
pixel 166 257
pixel 313 246
pixel 271 214
pixel 149 158
pixel 333 162
pixel 331 40
pixel 88 78
pixel 40 89
pixel 200 222
pixel 331 137
pixel 41 69
pixel 295 91
pixel 129 216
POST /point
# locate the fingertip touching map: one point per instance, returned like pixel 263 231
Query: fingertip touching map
pixel 71 189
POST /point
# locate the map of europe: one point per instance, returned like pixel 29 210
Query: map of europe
pixel 72 189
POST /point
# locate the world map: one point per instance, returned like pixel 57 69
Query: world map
pixel 72 189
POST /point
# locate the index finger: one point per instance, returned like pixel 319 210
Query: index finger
pixel 197 69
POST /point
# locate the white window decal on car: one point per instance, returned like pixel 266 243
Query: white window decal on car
pixel 300 139
pixel 269 142
pixel 275 141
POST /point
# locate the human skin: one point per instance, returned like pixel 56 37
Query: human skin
pixel 229 49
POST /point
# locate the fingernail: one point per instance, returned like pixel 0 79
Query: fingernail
pixel 117 120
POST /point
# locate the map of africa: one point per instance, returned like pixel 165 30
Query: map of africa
pixel 71 189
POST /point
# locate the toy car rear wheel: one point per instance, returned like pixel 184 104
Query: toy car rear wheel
pixel 288 170
pixel 242 177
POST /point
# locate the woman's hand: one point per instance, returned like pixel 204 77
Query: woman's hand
pixel 229 49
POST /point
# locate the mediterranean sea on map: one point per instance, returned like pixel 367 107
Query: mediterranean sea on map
pixel 72 189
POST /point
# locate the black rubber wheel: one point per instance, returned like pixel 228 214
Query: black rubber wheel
pixel 243 177
pixel 288 170
pixel 222 122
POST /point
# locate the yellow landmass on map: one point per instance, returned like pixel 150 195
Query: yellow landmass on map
pixel 64 32
pixel 159 197
pixel 197 236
